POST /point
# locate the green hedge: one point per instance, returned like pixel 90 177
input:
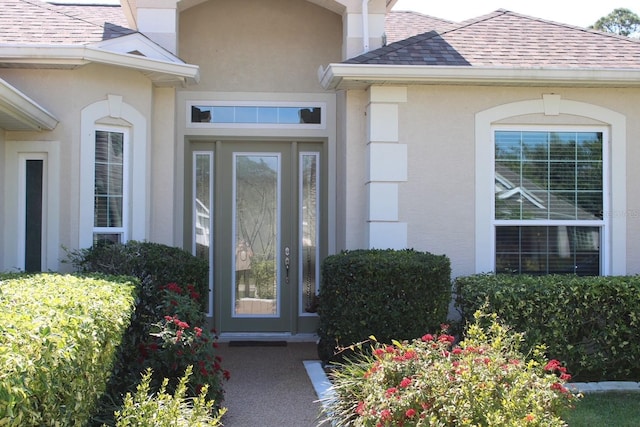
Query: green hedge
pixel 154 264
pixel 58 341
pixel 592 324
pixel 386 293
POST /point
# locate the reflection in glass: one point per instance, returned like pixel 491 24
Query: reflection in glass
pixel 255 254
pixel 548 250
pixel 109 188
pixel 548 175
pixel 309 234
pixel 256 115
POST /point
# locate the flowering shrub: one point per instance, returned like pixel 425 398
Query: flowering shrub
pixel 483 380
pixel 174 344
pixel 165 410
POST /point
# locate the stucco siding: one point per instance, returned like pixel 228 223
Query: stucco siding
pixel 260 45
pixel 438 201
pixel 65 93
pixel 354 170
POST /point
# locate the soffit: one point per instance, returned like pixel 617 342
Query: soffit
pixel 20 113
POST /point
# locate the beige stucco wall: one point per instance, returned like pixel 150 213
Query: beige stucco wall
pixel 65 93
pixel 438 200
pixel 260 45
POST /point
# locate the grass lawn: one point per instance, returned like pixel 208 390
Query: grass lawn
pixel 610 409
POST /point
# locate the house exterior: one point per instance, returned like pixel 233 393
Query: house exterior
pixel 264 135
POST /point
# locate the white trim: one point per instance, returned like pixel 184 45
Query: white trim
pixel 351 76
pixel 26 112
pixel 12 247
pixel 160 72
pixel 138 181
pixel 615 247
pixel 22 206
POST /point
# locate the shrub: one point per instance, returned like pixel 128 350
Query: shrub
pixel 165 410
pixel 590 323
pixel 167 332
pixel 482 381
pixel 174 344
pixel 392 294
pixel 58 341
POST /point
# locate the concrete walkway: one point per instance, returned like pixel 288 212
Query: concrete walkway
pixel 269 386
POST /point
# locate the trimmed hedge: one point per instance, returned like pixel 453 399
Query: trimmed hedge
pixel 592 324
pixel 387 293
pixel 58 340
pixel 173 283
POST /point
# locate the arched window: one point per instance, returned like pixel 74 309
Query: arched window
pixel 555 190
pixel 113 199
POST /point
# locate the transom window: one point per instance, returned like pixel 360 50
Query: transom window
pixel 269 115
pixel 549 201
pixel 110 187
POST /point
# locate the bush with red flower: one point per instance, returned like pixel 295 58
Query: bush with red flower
pixel 180 340
pixel 483 380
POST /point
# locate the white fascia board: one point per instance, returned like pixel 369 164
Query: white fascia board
pixel 74 56
pixel 24 109
pixel 346 76
pixel 137 42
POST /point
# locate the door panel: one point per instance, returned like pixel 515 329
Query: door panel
pixel 256 216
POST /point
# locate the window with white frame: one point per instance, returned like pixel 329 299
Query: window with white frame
pixel 549 200
pixel 110 186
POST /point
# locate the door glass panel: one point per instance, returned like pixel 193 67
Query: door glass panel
pixel 309 232
pixel 33 217
pixel 256 246
pixel 202 213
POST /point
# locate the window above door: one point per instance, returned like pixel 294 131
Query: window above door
pixel 283 115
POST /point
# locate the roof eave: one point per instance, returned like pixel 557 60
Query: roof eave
pixel 21 112
pixel 162 73
pixel 360 76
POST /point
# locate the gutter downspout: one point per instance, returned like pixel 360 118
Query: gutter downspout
pixel 365 25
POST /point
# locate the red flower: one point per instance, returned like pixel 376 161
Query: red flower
pixel 427 338
pixel 385 415
pixel 198 331
pixel 391 391
pixel 410 413
pixel 446 339
pixel 552 365
pixel 226 375
pixel 174 287
pixel 406 382
pixel 360 408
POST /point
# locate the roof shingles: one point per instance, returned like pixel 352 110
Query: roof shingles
pixel 507 39
pixel 34 22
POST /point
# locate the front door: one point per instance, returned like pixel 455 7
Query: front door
pixel 257 210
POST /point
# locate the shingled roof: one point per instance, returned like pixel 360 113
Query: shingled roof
pixel 34 22
pixel 508 39
pixel 400 25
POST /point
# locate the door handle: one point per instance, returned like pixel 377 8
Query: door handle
pixel 287 263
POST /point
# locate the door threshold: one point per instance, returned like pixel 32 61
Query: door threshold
pixel 265 337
